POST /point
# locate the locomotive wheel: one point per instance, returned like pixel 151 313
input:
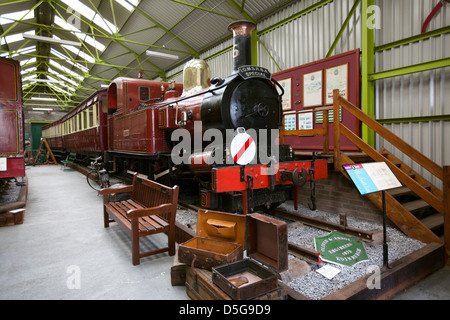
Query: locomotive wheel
pixel 93 180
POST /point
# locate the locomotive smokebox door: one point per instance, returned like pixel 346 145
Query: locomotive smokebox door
pixel 268 254
pixel 220 239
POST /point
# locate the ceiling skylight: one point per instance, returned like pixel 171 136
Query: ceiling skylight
pixel 33 76
pixel 14 16
pixel 77 51
pixel 27 61
pixel 68 60
pixel 80 53
pixel 59 89
pixel 18 52
pixel 26 71
pixel 91 15
pixel 66 70
pixel 86 38
pixel 128 4
pixel 63 77
pixel 14 37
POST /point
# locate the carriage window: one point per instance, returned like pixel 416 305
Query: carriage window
pixel 96 122
pixel 105 103
pixel 85 119
pixel 144 93
pixel 91 117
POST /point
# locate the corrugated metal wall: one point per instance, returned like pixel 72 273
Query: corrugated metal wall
pixel 298 42
pixel 309 38
pixel 416 95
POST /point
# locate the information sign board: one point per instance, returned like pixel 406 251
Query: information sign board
pixel 372 177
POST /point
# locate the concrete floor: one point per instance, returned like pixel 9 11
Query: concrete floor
pixel 62 251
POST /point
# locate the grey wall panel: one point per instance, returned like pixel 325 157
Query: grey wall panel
pixel 309 37
pixel 421 94
pixel 416 95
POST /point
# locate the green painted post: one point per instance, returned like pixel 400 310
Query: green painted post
pixel 367 68
pixel 255 47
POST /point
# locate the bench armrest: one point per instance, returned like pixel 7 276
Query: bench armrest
pixel 143 212
pixel 116 190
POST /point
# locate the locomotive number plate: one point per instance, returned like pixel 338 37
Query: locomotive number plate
pixel 247 72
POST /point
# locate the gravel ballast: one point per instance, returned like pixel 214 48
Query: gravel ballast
pixel 314 285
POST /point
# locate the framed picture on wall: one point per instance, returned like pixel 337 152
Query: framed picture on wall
pixel 290 122
pixel 305 121
pixel 336 78
pixel 312 89
pixel 287 97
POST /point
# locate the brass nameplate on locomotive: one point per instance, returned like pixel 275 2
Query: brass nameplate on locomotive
pixel 247 72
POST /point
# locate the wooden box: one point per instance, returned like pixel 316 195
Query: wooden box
pixel 199 286
pixel 220 239
pixel 268 255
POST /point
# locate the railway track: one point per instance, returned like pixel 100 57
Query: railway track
pixel 302 252
pixel 309 255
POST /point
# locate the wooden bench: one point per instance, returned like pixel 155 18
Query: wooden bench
pixel 150 210
pixel 70 159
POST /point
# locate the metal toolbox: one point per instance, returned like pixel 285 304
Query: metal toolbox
pixel 220 239
pixel 268 254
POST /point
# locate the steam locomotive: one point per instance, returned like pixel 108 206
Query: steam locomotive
pixel 215 137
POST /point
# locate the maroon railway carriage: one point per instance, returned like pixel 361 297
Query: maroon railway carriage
pixel 86 129
pixel 12 163
pixel 83 130
pixel 133 126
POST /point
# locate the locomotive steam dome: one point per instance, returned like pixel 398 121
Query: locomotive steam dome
pixel 196 75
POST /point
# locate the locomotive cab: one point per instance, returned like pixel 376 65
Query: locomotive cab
pixel 128 95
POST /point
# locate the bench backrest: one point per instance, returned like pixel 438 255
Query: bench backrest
pixel 151 194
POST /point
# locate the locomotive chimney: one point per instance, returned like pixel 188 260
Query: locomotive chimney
pixel 242 50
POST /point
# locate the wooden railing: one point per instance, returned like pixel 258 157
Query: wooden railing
pixel 434 200
pixel 440 200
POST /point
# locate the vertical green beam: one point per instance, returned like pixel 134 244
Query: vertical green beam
pixel 255 47
pixel 368 67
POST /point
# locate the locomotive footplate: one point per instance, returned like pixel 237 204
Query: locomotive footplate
pixel 243 188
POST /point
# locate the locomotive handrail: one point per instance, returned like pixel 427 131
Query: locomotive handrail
pixel 199 93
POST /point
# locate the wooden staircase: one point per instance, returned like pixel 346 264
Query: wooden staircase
pixel 418 208
pixel 405 208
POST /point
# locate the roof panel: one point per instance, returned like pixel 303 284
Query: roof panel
pixel 183 28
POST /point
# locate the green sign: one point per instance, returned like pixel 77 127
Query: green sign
pixel 340 249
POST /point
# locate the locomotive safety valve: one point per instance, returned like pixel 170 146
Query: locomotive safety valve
pixel 297 178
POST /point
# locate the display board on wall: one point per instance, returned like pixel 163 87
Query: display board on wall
pixel 311 86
